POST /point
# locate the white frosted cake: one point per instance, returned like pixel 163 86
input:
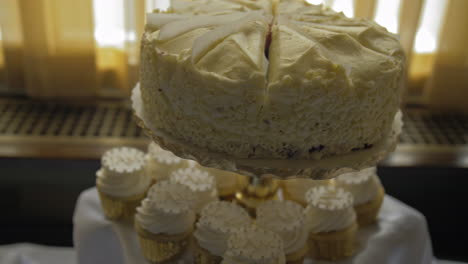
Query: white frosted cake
pixel 268 80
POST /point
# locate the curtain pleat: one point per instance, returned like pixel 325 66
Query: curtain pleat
pixel 364 8
pixel 410 12
pixel 59 57
pixel 12 73
pixel 52 48
pixel 448 83
pixel 118 63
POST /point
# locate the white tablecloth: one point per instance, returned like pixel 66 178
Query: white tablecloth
pixel 26 253
pixel 399 237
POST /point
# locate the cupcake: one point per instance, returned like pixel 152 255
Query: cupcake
pixel 217 221
pixel 200 182
pixel 367 192
pixel 254 245
pixel 160 162
pixel 122 182
pixel 164 221
pixel 286 218
pixel 331 222
pixel 295 189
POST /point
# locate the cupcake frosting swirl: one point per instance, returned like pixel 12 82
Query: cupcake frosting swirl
pixel 160 162
pixel 123 172
pixel 254 245
pixel 364 185
pixel 200 182
pixel 217 220
pixel 167 209
pixel 286 219
pixel 329 209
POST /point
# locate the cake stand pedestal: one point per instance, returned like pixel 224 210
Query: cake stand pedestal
pixel 256 191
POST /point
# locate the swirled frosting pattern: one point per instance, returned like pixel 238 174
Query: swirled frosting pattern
pixel 167 209
pixel 200 182
pixel 364 185
pixel 329 209
pixel 217 220
pixel 285 218
pixel 123 172
pixel 160 162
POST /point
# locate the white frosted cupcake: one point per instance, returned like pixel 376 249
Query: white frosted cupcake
pixel 217 220
pixel 367 191
pixel 254 245
pixel 331 222
pixel 122 182
pixel 164 221
pixel 160 162
pixel 286 218
pixel 295 189
pixel 200 182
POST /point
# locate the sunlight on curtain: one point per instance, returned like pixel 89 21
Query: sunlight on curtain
pixel 315 2
pixel 345 6
pixel 431 22
pixel 91 47
pixel 425 45
pixel 109 27
pixel 387 13
pixel 157 4
pixel 117 28
pixel 58 48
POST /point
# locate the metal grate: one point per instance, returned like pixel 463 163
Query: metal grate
pixel 422 127
pixel 30 128
pixel 103 120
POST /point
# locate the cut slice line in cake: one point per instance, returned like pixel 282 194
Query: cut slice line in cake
pixel 267 86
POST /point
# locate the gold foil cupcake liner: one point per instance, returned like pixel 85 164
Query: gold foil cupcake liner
pixel 116 208
pixel 367 212
pixel 333 245
pixel 162 248
pixel 254 192
pixel 227 193
pixel 203 256
pixel 298 256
